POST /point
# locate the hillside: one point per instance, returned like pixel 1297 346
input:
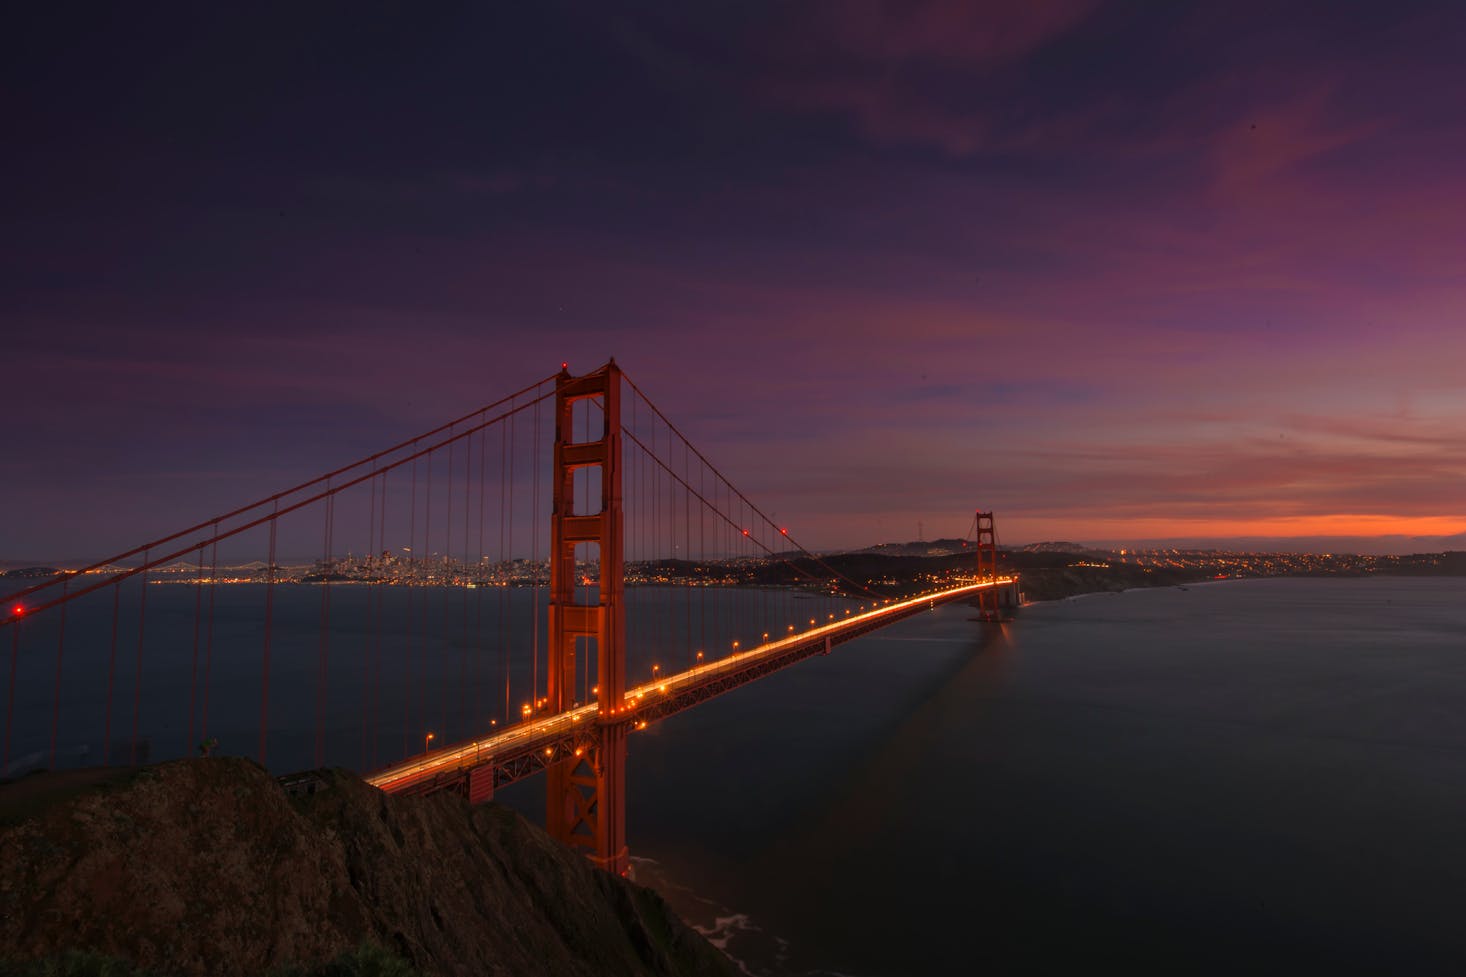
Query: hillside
pixel 207 867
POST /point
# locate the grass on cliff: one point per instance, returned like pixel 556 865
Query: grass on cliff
pixel 365 960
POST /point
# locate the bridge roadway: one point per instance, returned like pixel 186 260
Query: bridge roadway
pixel 532 745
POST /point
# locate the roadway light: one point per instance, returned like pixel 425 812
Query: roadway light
pixel 425 742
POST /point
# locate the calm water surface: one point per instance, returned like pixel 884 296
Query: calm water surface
pixel 1247 777
pixel 1253 776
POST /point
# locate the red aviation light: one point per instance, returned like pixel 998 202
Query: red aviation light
pixel 783 531
pixel 745 532
pixel 18 611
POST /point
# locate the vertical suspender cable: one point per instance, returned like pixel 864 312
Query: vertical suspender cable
pixel 447 584
pixel 366 659
pixel 111 675
pixel 464 578
pixel 478 600
pixel 534 561
pixel 509 545
pixel 702 561
pixel 411 581
pixel 56 695
pixel 137 685
pixel 687 551
pixel 503 510
pixel 193 678
pixel 10 695
pixel 269 624
pixel 379 614
pixel 323 650
pixel 426 658
pixel 631 551
pixel 209 630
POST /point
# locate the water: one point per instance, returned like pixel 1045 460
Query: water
pixel 1254 776
pixel 396 664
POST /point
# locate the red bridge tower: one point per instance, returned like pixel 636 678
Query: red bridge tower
pixel 586 804
pixel 987 567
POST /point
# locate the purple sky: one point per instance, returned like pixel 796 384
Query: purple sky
pixel 1118 271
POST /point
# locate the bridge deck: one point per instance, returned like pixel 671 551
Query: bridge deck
pixel 531 746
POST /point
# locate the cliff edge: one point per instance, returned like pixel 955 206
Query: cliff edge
pixel 208 867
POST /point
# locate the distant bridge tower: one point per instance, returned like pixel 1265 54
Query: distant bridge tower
pixel 586 804
pixel 987 567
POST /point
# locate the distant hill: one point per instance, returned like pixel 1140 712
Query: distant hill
pixel 1062 547
pixel 936 547
pixel 951 547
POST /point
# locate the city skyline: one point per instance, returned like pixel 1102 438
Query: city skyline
pixel 1119 275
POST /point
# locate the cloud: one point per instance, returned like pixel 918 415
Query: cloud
pixel 912 73
pixel 1267 150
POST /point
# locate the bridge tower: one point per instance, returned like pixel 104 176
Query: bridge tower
pixel 987 567
pixel 586 804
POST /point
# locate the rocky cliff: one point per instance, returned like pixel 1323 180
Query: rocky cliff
pixel 208 867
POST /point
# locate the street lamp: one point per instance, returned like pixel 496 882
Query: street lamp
pixel 426 741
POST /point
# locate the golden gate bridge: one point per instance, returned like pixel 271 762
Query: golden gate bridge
pixel 418 545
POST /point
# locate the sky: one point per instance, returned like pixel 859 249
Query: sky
pixel 1116 271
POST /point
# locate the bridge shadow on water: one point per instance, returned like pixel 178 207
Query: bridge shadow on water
pixel 832 844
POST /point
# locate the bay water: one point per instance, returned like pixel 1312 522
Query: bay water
pixel 1255 776
pixel 1260 776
